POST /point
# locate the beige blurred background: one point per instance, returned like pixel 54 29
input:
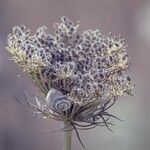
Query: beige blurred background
pixel 130 18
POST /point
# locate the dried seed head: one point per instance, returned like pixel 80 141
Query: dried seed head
pixel 81 76
pixel 87 68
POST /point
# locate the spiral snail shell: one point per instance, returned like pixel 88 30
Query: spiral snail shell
pixel 57 101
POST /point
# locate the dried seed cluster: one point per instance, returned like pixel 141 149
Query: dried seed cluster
pixel 80 75
pixel 87 67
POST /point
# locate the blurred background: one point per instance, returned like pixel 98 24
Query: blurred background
pixel 129 18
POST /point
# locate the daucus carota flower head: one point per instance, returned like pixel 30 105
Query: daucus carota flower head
pixel 80 74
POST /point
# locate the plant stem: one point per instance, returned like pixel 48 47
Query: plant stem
pixel 68 136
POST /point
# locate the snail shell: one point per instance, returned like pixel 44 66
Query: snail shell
pixel 57 101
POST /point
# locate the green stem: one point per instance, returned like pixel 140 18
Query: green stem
pixel 68 136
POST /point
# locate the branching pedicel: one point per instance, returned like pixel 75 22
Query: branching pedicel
pixel 81 76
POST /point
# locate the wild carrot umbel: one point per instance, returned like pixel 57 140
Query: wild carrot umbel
pixel 80 75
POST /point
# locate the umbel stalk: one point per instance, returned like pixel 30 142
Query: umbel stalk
pixel 68 136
